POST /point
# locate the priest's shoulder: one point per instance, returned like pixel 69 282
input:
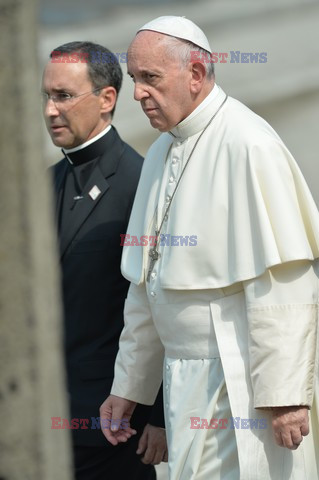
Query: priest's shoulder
pixel 129 168
pixel 130 157
pixel 58 167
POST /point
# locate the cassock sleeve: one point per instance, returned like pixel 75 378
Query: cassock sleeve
pixel 139 363
pixel 282 310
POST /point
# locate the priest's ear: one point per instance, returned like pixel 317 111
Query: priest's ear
pixel 199 76
pixel 108 98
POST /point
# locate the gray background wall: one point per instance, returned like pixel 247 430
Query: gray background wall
pixel 285 89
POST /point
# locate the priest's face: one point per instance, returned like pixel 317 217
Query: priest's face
pixel 71 121
pixel 162 83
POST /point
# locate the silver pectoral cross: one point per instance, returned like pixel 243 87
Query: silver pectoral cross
pixel 154 256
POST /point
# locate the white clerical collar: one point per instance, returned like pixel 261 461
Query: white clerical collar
pixel 210 97
pixel 86 144
pixel 198 119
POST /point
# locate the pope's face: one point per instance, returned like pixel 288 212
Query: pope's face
pixel 71 123
pixel 162 83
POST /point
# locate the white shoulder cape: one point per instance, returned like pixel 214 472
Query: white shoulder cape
pixel 242 196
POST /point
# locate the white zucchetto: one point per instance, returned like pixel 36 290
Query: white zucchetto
pixel 179 27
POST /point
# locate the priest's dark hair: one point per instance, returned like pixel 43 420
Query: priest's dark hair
pixel 103 65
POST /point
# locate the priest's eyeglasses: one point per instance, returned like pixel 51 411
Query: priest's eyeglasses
pixel 64 97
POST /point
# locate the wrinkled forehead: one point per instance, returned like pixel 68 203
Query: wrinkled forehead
pixel 149 48
pixel 147 41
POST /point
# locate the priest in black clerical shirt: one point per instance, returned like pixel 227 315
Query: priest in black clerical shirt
pixel 95 185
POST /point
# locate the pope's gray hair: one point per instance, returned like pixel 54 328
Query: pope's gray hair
pixel 183 49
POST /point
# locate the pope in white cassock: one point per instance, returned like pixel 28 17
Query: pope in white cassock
pixel 227 299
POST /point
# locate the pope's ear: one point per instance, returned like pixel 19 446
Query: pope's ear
pixel 108 99
pixel 198 78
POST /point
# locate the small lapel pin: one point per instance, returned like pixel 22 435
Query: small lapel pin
pixel 94 192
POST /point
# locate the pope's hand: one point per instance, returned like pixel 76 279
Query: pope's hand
pixel 115 416
pixel 290 425
pixel 153 444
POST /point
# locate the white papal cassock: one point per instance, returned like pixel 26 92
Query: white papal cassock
pixel 233 311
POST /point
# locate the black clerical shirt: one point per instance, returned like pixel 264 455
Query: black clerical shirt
pixel 81 164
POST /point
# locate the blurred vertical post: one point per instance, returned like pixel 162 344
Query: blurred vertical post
pixel 32 383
